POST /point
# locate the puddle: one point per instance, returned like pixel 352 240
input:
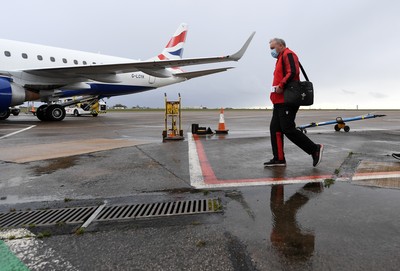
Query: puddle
pixel 50 166
pixel 287 236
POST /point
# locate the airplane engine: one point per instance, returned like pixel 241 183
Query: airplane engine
pixel 10 94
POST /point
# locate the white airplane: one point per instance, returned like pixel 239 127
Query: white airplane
pixel 30 72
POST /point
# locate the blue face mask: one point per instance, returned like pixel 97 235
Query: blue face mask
pixel 274 53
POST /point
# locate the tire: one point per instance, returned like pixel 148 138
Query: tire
pixel 337 129
pixel 41 112
pixel 16 113
pixel 76 113
pixel 95 114
pixel 55 112
pixel 5 114
pixel 346 129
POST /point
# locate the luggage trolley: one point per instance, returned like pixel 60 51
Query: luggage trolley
pixel 173 120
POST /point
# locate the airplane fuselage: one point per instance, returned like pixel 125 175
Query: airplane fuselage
pixel 16 56
pixel 31 72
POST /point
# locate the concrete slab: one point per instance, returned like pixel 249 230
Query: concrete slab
pixel 242 165
pixel 378 174
pixel 30 153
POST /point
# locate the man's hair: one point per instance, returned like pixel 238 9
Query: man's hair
pixel 278 41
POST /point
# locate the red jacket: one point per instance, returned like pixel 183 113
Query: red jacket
pixel 287 69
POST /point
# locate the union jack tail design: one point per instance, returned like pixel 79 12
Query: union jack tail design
pixel 174 48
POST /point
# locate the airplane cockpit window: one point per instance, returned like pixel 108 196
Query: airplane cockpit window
pixel 76 62
pixel 52 59
pixel 7 53
pixel 39 57
pixel 64 60
pixel 25 56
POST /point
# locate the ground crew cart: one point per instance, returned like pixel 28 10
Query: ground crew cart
pixel 173 127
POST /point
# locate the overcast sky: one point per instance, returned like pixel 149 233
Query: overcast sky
pixel 348 48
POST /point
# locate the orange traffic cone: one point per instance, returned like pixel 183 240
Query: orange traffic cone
pixel 221 125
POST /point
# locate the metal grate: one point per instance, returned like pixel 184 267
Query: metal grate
pixel 46 217
pixel 79 215
pixel 159 209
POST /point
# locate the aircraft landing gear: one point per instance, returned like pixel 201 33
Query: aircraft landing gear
pixel 5 114
pixel 52 112
pixel 41 112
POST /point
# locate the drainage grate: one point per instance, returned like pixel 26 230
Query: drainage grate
pixel 79 215
pixel 159 209
pixel 46 217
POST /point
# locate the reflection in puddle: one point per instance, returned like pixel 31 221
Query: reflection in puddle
pixel 53 165
pixel 286 236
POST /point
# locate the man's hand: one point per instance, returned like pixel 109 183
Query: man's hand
pixel 278 90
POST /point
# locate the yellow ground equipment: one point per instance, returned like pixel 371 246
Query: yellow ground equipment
pixel 173 127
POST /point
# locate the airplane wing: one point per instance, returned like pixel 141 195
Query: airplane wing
pixel 190 75
pixel 154 67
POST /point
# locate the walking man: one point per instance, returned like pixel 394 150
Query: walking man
pixel 287 69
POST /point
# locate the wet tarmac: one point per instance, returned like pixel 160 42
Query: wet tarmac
pixel 342 215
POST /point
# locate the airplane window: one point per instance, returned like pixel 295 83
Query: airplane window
pixel 52 59
pixel 7 53
pixel 24 55
pixel 84 63
pixel 76 62
pixel 64 60
pixel 40 57
pixel 94 63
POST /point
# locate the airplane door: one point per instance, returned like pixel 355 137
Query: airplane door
pixel 152 79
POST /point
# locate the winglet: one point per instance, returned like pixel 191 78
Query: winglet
pixel 238 55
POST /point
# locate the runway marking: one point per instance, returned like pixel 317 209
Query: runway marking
pixel 376 175
pixel 196 175
pixel 32 252
pixel 202 174
pixel 17 132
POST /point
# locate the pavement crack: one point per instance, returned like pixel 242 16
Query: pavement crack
pixel 161 165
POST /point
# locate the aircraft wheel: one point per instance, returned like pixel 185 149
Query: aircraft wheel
pixel 76 113
pixel 337 128
pixel 55 112
pixel 346 129
pixel 95 114
pixel 41 112
pixel 5 114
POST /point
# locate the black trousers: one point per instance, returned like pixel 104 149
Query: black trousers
pixel 283 123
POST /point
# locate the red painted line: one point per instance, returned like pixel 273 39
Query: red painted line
pixel 271 180
pixel 208 172
pixel 210 177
